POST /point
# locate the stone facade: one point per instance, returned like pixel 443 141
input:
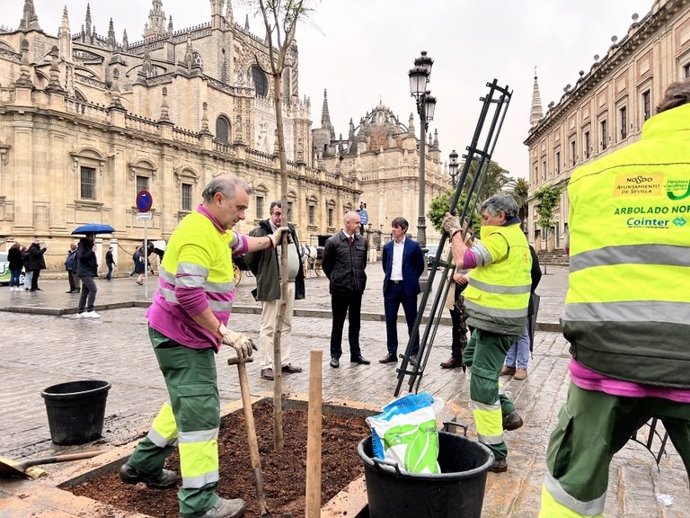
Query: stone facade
pixel 383 154
pixel 607 106
pixel 86 122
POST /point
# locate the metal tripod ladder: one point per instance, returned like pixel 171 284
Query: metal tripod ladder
pixel 494 108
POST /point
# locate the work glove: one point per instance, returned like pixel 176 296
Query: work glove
pixel 277 236
pixel 241 343
pixel 451 224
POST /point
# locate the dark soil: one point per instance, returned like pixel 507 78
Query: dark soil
pixel 284 474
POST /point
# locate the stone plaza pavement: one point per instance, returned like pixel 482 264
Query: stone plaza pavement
pixel 44 344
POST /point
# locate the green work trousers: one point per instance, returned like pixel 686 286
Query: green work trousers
pixel 486 353
pixel 190 377
pixel 592 427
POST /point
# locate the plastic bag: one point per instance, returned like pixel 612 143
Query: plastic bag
pixel 406 433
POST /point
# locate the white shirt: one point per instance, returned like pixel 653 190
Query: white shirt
pixel 396 270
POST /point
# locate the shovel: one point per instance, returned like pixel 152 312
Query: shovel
pixel 251 432
pixel 13 468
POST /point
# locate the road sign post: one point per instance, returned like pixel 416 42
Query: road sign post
pixel 144 203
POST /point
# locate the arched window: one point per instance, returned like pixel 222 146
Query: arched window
pixel 223 129
pixel 260 81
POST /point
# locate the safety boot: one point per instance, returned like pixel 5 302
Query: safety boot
pixel 223 508
pixel 161 480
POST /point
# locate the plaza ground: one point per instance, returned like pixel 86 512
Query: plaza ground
pixel 44 344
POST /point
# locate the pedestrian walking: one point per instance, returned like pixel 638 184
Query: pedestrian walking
pixel 496 299
pixel 402 261
pixel 139 266
pixel 626 311
pixel 36 262
pixel 344 261
pixel 71 268
pixel 110 263
pixel 87 270
pixel 14 258
pixel 264 264
pixel 187 325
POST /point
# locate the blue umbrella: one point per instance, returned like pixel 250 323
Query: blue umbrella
pixel 93 228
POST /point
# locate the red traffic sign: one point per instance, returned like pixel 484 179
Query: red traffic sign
pixel 144 201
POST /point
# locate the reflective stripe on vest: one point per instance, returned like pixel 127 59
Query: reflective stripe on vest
pixel 500 291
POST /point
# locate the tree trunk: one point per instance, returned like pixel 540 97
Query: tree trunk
pixel 278 439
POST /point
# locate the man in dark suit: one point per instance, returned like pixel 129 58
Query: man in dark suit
pixel 403 265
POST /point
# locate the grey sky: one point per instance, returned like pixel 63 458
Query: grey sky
pixel 361 51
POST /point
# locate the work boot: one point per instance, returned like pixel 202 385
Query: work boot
pixel 161 480
pixel 512 421
pixel 520 374
pixel 499 466
pixel 233 508
pixel 507 371
pixel 451 363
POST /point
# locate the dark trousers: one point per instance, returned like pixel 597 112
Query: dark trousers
pixel 342 304
pixel 394 296
pixel 458 317
pixel 110 272
pixel 88 294
pixel 34 280
pixel 73 280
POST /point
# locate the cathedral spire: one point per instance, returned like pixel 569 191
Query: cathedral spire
pixel 65 38
pixel 537 113
pixel 229 16
pixel 326 116
pixel 246 22
pixel 157 20
pixel 111 41
pixel 88 19
pixel 29 21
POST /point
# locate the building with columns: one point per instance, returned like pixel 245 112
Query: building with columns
pixel 88 120
pixel 606 107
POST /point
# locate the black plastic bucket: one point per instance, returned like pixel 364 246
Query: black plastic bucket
pixel 76 410
pixel 457 492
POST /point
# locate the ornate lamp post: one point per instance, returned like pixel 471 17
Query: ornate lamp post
pixel 453 167
pixel 426 104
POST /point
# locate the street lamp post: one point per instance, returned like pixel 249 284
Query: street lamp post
pixel 453 167
pixel 426 104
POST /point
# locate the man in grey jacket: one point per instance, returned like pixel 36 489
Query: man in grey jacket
pixel 265 265
pixel 344 261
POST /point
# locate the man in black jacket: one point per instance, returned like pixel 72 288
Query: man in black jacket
pixel 264 264
pixel 36 262
pixel 344 261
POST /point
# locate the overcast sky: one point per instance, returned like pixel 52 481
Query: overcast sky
pixel 362 50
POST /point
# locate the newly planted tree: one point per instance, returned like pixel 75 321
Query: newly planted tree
pixel 280 19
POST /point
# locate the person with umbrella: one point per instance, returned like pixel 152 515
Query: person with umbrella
pixel 87 269
pixel 87 266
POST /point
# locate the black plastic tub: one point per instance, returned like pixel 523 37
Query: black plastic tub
pixel 76 410
pixel 457 492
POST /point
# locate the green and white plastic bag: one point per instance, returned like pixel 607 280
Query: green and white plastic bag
pixel 406 433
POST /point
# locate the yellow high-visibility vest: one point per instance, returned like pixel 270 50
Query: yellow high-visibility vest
pixel 497 295
pixel 627 310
